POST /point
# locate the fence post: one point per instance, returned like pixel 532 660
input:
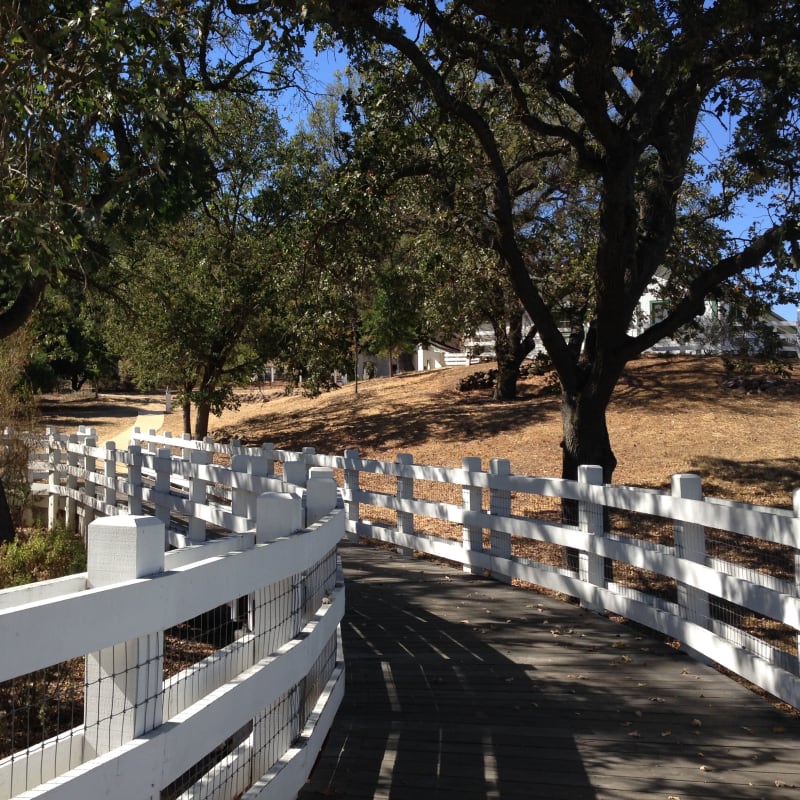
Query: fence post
pixel 295 472
pixel 88 464
pixel 272 617
pixel 471 500
pixel 163 466
pixel 110 474
pixel 500 506
pixel 123 683
pixel 320 494
pixel 198 493
pixel 135 479
pixel 53 480
pixel 351 482
pixel 186 451
pixel 268 454
pixel 152 446
pixel 796 508
pixel 278 514
pixel 690 544
pixel 244 498
pixel 71 503
pixel 591 567
pixel 405 491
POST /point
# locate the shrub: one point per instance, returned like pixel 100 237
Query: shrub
pixel 40 555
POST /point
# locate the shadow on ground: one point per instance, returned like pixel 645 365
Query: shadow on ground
pixel 783 474
pixel 453 416
pixel 459 687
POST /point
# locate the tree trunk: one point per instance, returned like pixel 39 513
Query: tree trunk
pixel 7 530
pixel 186 408
pixel 505 386
pixel 511 348
pixel 586 439
pixel 201 420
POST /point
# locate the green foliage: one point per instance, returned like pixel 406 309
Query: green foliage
pixel 202 292
pixel 68 345
pixel 98 136
pixel 40 555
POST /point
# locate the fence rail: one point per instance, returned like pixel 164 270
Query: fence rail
pixel 208 671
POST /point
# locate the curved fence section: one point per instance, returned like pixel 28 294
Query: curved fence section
pixel 719 578
pixel 209 670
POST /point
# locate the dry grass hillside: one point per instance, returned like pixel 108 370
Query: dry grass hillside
pixel 668 415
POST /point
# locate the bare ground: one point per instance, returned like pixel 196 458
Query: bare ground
pixel 669 415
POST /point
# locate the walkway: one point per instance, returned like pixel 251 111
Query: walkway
pixel 462 688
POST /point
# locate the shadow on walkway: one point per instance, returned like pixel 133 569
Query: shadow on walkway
pixel 430 710
pixel 459 687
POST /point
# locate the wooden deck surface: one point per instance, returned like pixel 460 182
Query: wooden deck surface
pixel 460 687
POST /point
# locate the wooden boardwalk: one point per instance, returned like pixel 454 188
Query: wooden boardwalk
pixel 460 687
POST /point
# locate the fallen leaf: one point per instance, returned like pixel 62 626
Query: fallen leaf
pixel 657 700
pixel 778 729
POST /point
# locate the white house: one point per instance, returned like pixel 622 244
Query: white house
pixel 715 336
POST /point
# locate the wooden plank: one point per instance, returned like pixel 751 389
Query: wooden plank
pixel 462 687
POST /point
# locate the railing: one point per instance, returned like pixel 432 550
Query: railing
pixel 212 670
pixel 717 577
pixel 720 578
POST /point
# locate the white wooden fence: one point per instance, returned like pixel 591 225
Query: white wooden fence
pixel 718 577
pixel 158 711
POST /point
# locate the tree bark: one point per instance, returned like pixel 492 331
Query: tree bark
pixel 586 439
pixel 186 408
pixel 7 530
pixel 511 348
pixel 201 420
